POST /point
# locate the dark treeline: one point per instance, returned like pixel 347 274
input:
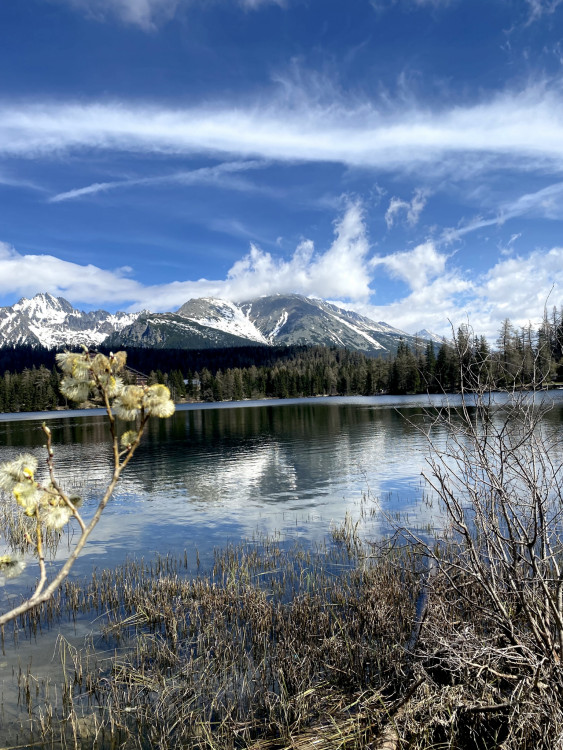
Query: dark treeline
pixel 30 382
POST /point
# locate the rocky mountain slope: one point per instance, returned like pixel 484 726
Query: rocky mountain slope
pixel 277 320
pixel 52 321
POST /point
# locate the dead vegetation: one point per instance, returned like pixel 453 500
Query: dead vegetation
pixel 285 647
pixel 276 645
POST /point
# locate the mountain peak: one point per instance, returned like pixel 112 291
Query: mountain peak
pixel 274 320
pixel 50 321
pixel 427 335
pixel 43 304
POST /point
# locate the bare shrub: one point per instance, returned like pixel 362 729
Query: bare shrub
pixel 491 644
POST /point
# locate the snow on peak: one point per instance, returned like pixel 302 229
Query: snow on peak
pixel 52 321
pixel 424 333
pixel 221 315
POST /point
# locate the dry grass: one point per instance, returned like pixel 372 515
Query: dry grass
pixel 287 648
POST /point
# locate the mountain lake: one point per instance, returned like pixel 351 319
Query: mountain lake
pixel 215 474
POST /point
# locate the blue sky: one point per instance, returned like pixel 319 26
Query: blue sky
pixel 403 158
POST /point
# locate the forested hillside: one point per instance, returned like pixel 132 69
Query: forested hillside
pixel 29 382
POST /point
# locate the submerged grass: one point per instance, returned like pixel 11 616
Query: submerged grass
pixel 277 642
pixel 282 647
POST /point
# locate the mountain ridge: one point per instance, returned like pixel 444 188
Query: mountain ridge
pixel 50 321
pixel 200 323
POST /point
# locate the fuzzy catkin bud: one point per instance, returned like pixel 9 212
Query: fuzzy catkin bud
pixel 18 470
pixel 157 401
pixel 74 389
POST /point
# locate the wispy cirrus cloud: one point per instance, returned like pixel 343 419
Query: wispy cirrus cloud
pixel 17 182
pixel 409 210
pixel 255 4
pixel 500 131
pixel 147 15
pixel 220 175
pixel 546 203
pixel 382 5
pixel 539 8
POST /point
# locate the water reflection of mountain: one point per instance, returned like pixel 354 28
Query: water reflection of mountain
pixel 300 454
pixel 277 454
pixel 237 468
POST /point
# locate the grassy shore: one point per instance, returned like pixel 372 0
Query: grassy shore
pixel 279 646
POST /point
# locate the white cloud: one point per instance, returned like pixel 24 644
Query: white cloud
pixel 29 274
pixel 415 267
pixel 516 286
pixel 428 306
pixel 519 287
pixel 217 175
pixel 342 271
pixel 148 15
pixel 501 131
pixel 411 210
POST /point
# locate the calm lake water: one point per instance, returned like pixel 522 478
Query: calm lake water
pixel 219 473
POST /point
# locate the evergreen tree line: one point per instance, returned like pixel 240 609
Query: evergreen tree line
pixel 521 357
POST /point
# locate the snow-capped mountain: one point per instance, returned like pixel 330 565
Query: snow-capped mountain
pixel 222 316
pixel 173 331
pixel 277 320
pixel 293 319
pixel 52 321
pixel 429 336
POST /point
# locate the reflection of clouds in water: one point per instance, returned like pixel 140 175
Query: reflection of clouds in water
pixel 247 467
pixel 216 473
pixel 242 478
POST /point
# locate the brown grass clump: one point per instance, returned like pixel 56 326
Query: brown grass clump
pixel 277 644
pixel 287 648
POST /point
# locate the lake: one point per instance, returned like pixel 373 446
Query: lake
pixel 217 473
pixel 221 472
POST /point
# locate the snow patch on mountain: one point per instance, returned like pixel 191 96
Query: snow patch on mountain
pixel 359 331
pixel 52 321
pixel 278 326
pixel 222 315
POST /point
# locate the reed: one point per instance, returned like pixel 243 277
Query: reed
pixel 277 642
pixel 281 646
